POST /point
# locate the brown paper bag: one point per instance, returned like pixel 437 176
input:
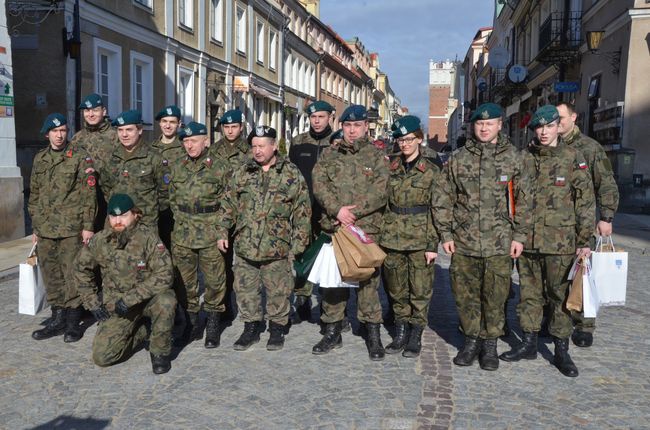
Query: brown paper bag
pixel 364 251
pixel 347 266
pixel 574 300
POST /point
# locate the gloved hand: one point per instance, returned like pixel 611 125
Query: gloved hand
pixel 121 308
pixel 100 313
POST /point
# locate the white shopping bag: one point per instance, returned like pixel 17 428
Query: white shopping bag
pixel 325 271
pixel 609 273
pixel 31 289
pixel 590 301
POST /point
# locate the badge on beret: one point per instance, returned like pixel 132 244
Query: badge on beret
pixel 169 111
pixel 485 114
pixel 542 121
pixel 560 181
pixel 120 121
pixel 403 130
pixel 188 131
pixel 88 104
pixel 312 109
pixel 166 178
pixel 259 131
pixel 117 211
pixel 397 124
pixel 228 119
pixel 352 117
pixel 91 181
pixel 56 122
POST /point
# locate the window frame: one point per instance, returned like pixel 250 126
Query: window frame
pixel 188 5
pixel 187 109
pixel 241 32
pixel 147 64
pixel 214 11
pixel 273 49
pixel 260 42
pixel 113 94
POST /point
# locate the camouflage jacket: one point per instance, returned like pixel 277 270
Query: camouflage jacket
pixel 134 265
pixel 479 220
pixel 600 170
pixel 269 211
pixel 305 151
pixel 98 141
pixel 138 174
pixel 352 175
pixel 421 187
pixel 169 154
pixel 236 154
pixel 563 199
pixel 62 199
pixel 196 188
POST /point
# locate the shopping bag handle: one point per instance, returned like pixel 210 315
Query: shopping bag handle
pixel 599 243
pixel 31 252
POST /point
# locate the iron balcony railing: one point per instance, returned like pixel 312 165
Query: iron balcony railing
pixel 560 31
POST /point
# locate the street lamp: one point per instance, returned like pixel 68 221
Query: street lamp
pixel 594 40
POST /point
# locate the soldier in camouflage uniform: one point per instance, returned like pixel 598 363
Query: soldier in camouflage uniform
pixel 563 219
pixel 134 168
pixel 306 149
pixel 196 187
pixel 484 181
pixel 137 274
pixel 171 149
pixel 408 235
pixel 606 190
pixel 350 185
pixel 98 139
pixel 267 204
pixel 62 205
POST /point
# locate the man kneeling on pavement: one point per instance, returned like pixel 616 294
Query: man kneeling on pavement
pixel 137 275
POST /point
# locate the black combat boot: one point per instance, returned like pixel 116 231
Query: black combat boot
pixel 414 345
pixel 55 326
pixel 276 339
pixel 160 364
pixel 373 342
pixel 526 350
pixel 582 339
pixel 249 337
pixel 331 339
pixel 212 334
pixel 468 354
pixel 73 331
pixel 562 359
pixel 487 358
pixel 400 339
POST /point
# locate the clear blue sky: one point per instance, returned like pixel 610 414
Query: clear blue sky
pixel 407 33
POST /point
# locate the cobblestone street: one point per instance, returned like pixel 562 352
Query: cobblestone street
pixel 50 384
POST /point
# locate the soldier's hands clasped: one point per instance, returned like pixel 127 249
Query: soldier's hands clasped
pixel 121 308
pixel 100 313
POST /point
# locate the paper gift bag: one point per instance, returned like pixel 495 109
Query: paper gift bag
pixel 349 269
pixel 609 269
pixel 363 250
pixel 304 264
pixel 31 289
pixel 325 271
pixel 574 299
pixel 590 300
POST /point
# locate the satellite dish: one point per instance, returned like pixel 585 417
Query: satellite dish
pixel 498 58
pixel 481 84
pixel 517 73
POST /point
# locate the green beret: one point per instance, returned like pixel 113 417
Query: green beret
pixel 192 129
pixel 128 117
pixel 354 113
pixel 262 131
pixel 405 125
pixel 91 101
pixel 319 106
pixel 544 115
pixel 171 110
pixel 338 134
pixel 53 120
pixel 120 204
pixel 232 117
pixel 487 111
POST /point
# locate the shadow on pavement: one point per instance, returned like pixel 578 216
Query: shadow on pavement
pixel 68 422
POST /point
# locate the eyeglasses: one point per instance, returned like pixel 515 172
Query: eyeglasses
pixel 406 140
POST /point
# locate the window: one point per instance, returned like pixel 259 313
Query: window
pixel 273 49
pixel 142 85
pixel 287 71
pixel 301 77
pixel 260 42
pixel 294 73
pixel 186 93
pixel 108 75
pixel 241 30
pixel 216 20
pixel 185 13
pixel 146 3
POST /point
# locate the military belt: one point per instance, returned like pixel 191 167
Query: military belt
pixel 198 209
pixel 408 211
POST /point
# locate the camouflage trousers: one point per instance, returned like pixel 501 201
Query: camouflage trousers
pixel 587 325
pixel 303 288
pixel 56 258
pixel 409 281
pixel 210 261
pixel 334 301
pixel 275 278
pixel 117 337
pixel 481 286
pixel 543 279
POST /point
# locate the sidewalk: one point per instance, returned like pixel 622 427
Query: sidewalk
pixel 13 253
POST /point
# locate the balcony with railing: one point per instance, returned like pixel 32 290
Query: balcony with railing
pixel 560 37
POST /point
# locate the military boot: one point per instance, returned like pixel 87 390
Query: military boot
pixel 276 339
pixel 526 350
pixel 249 337
pixel 303 307
pixel 212 334
pixel 55 326
pixel 562 359
pixel 400 339
pixel 160 364
pixel 414 345
pixel 373 342
pixel 468 354
pixel 331 339
pixel 487 358
pixel 583 339
pixel 73 331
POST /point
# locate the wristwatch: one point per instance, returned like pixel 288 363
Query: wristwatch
pixel 607 219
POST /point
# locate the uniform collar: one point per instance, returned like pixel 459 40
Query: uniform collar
pixel 573 136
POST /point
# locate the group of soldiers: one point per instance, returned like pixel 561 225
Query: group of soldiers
pixel 107 208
